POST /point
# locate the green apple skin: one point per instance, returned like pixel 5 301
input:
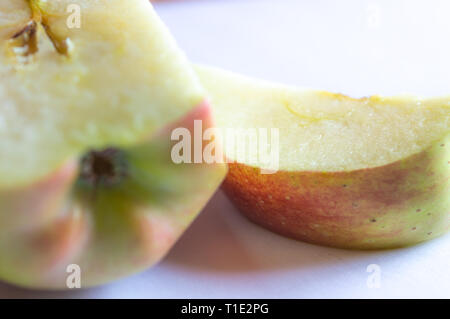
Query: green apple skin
pixel 109 231
pixel 400 204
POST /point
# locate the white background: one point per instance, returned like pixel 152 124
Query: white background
pixel 349 46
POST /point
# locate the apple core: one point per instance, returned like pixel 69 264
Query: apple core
pixel 105 167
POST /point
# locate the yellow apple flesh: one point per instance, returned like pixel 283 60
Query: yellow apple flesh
pixel 354 173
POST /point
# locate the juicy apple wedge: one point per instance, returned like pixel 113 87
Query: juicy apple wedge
pixel 354 173
pixel 85 123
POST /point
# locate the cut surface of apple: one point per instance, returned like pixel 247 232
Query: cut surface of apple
pixel 89 94
pixel 323 131
pixel 358 173
pixel 121 77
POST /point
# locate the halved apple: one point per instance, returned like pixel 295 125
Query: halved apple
pixel 88 104
pixel 356 173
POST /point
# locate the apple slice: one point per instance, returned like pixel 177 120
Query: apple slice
pixel 90 92
pixel 355 173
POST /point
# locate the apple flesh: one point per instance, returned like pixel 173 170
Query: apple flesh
pixel 353 173
pixel 85 157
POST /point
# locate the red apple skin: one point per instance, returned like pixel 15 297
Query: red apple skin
pixel 38 202
pixel 120 232
pixel 400 204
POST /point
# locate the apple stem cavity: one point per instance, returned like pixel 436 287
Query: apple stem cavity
pixel 62 46
pixel 107 167
pixel 24 43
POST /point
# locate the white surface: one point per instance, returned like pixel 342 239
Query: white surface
pixel 355 47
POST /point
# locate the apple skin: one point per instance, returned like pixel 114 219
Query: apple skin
pixel 400 204
pixel 115 232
